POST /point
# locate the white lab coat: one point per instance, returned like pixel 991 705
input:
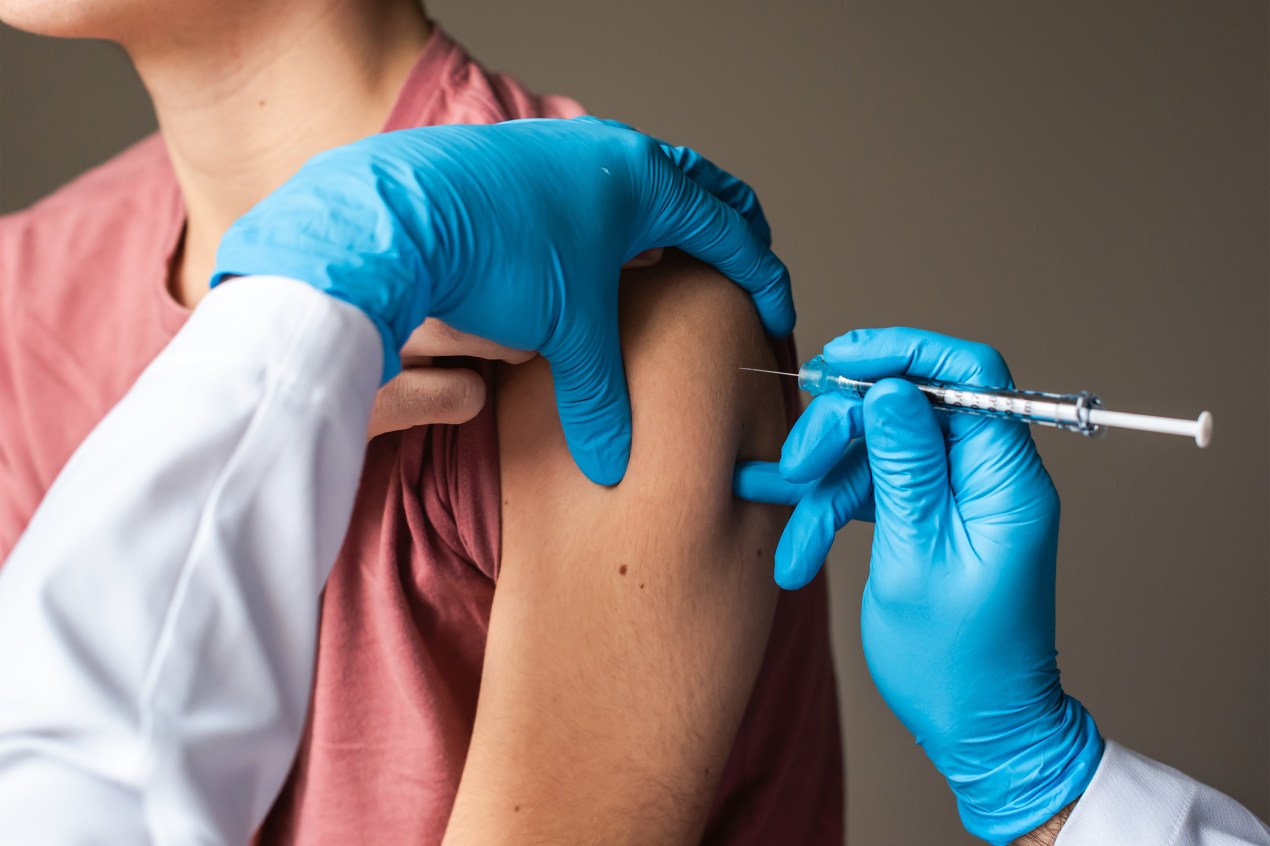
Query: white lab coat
pixel 158 618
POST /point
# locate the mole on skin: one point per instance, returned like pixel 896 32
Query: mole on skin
pixel 622 570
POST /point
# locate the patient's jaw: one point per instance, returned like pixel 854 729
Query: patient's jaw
pixel 134 21
pixel 629 623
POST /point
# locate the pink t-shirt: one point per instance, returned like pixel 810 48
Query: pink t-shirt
pixel 84 307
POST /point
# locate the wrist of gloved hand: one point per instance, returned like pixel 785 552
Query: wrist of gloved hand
pixel 1009 783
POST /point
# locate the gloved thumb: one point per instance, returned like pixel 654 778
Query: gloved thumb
pixel 908 458
pixel 591 396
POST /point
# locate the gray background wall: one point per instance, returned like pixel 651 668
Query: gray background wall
pixel 1083 184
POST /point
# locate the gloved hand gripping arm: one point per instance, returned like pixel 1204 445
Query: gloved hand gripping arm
pixel 514 232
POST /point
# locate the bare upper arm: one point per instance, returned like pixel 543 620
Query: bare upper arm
pixel 628 623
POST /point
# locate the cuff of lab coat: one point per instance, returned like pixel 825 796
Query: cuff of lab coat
pixel 321 347
pixel 1131 799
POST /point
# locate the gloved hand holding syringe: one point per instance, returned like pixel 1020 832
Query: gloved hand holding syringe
pixel 1081 412
pixel 958 613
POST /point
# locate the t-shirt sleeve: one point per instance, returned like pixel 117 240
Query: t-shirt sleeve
pixel 11 515
pixel 1133 799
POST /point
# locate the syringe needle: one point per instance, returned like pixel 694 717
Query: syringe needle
pixel 773 372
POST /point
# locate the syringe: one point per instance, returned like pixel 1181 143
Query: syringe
pixel 1082 412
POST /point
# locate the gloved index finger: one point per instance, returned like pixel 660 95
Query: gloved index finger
pixel 697 222
pixel 723 185
pixel 872 354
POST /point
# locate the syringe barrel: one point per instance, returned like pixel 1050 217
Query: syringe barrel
pixel 1066 411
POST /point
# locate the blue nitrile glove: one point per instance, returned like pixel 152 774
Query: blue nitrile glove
pixel 515 232
pixel 957 618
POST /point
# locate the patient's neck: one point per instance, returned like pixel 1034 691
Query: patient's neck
pixel 245 103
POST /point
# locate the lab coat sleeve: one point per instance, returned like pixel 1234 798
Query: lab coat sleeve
pixel 1133 799
pixel 158 618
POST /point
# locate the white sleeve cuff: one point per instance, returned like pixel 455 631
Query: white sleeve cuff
pixel 1133 799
